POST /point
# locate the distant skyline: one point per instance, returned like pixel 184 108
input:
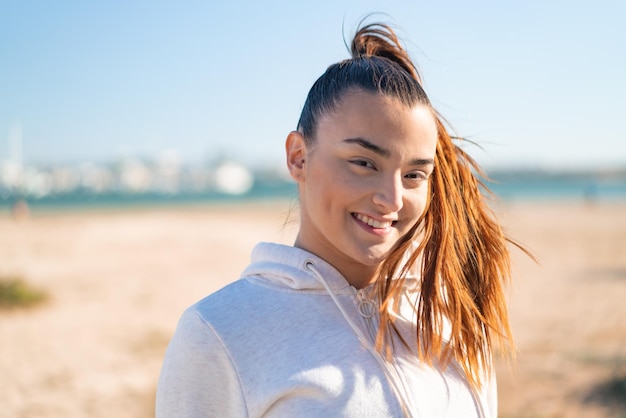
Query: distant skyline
pixel 535 83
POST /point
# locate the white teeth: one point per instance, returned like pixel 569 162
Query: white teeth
pixel 372 222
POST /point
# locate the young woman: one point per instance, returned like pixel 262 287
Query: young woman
pixel 390 302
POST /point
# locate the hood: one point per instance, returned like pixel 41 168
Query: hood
pixel 284 266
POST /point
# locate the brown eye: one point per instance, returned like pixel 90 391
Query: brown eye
pixel 363 163
pixel 417 175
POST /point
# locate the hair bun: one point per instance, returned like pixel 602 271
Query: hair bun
pixel 379 40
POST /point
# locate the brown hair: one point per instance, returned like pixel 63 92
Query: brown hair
pixel 463 253
pixel 378 65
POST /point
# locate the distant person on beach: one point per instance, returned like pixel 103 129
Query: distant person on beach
pixel 391 301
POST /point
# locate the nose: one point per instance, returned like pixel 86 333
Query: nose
pixel 389 193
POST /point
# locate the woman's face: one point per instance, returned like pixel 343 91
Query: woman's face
pixel 363 182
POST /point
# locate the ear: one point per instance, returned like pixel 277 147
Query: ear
pixel 295 148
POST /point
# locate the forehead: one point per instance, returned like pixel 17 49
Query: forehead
pixel 381 119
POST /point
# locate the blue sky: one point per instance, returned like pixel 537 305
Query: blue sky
pixel 536 83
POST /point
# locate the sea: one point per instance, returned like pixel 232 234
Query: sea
pixel 505 186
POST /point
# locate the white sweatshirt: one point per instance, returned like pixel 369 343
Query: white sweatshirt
pixel 276 344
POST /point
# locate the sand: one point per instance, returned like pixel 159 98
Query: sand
pixel 119 280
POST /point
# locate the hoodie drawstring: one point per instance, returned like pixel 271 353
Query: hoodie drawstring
pixel 384 365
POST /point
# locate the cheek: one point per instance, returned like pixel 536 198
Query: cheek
pixel 419 200
pixel 327 189
pixel 335 180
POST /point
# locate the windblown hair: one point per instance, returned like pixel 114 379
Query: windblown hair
pixel 462 254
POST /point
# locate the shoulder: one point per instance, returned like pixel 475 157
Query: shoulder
pixel 225 308
pixel 244 307
pixel 195 360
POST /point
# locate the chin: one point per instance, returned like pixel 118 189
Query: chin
pixel 374 259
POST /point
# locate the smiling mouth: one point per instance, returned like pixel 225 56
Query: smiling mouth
pixel 373 222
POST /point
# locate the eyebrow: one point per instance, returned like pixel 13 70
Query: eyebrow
pixel 385 152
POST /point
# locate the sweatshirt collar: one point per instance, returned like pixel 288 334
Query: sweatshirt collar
pixel 284 266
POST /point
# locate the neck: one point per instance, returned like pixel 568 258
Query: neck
pixel 359 277
pixel 356 274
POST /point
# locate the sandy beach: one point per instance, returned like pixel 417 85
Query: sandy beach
pixel 118 281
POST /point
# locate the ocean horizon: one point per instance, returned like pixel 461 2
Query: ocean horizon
pixel 506 186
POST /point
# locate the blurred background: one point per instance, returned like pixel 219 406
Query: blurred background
pixel 141 157
pixel 113 98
